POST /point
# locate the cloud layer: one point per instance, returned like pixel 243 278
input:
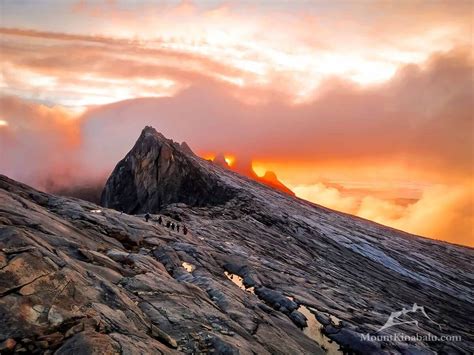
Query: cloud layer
pixel 443 212
pixel 98 52
pixel 358 93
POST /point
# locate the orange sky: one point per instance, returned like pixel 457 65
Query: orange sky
pixel 365 107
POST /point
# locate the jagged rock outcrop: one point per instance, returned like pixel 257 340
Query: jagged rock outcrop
pixel 157 172
pixel 244 167
pixel 258 272
pixel 220 161
pixel 270 179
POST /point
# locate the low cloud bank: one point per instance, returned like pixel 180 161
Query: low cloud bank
pixel 442 212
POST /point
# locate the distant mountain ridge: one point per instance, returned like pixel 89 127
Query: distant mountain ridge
pixel 246 169
pixel 271 179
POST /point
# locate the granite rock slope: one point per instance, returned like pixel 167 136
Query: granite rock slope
pixel 258 272
pixel 77 278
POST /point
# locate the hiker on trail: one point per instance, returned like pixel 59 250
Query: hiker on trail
pixel 177 228
pixel 168 224
pixel 160 220
pixel 185 230
pixel 147 217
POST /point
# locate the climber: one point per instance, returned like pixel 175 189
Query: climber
pixel 147 217
pixel 177 228
pixel 172 226
pixel 168 224
pixel 160 220
pixel 185 230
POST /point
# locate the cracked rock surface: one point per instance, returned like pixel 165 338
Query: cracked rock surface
pixel 79 278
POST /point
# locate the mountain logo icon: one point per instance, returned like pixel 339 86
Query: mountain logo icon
pixel 399 317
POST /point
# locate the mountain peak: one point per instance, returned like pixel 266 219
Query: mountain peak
pixel 149 129
pixel 158 172
pixel 271 179
pixel 150 132
pixel 270 175
pixel 220 160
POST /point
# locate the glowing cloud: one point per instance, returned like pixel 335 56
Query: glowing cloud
pixel 310 90
pixel 156 50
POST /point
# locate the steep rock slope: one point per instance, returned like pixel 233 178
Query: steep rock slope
pixel 157 172
pixel 76 277
pixel 345 266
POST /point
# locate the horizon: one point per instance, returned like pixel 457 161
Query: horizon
pixel 365 108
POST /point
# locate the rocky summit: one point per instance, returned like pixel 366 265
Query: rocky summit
pixel 158 172
pixel 251 270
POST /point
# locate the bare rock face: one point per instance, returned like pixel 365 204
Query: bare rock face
pixel 259 271
pixel 157 172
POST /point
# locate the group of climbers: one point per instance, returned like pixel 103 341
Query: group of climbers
pixel 169 224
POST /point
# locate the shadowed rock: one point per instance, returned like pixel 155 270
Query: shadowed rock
pixel 158 172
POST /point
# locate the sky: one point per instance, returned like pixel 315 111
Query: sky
pixel 362 106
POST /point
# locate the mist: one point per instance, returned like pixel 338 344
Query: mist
pixel 422 116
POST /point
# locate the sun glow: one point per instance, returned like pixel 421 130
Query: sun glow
pixel 229 159
pixel 316 93
pixel 208 156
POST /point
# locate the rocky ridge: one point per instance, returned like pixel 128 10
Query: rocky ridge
pixel 74 275
pixel 157 172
